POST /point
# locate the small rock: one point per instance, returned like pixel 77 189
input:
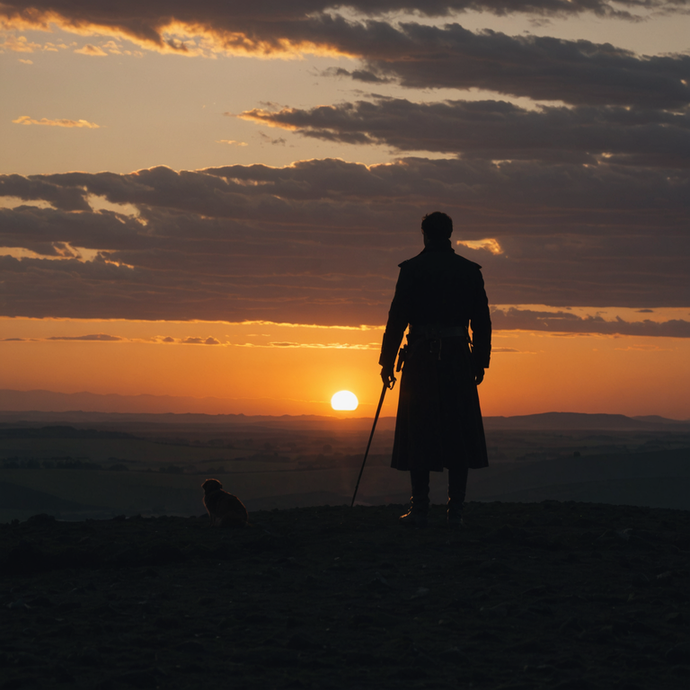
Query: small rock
pixel 139 679
pixel 19 682
pixel 378 582
pixel 86 657
pixel 191 647
pixel 640 580
pixel 43 602
pixel 18 605
pixel 679 654
pixel 62 675
pixel 500 610
pixel 454 656
pixel 302 643
pixel 675 617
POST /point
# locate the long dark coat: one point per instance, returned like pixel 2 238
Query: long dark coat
pixel 439 423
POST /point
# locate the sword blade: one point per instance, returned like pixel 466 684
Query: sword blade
pixel 371 436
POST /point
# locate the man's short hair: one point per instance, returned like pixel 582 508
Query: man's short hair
pixel 437 226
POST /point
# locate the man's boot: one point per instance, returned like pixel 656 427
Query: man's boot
pixel 416 516
pixel 419 509
pixel 454 515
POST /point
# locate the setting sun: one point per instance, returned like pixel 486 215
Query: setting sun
pixel 344 400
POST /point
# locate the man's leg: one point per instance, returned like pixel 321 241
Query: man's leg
pixel 417 514
pixel 457 487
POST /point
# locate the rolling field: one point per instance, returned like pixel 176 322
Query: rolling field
pixel 77 474
pixel 103 494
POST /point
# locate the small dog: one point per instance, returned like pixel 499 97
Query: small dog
pixel 224 509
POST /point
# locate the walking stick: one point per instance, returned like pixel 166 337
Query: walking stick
pixel 371 436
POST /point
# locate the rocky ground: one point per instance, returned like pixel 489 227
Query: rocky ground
pixel 530 596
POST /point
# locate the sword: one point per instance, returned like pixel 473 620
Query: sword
pixel 371 436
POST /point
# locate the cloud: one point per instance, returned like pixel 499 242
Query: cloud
pixel 324 346
pixel 20 44
pixel 100 337
pixel 543 68
pixel 27 120
pixel 277 141
pixel 488 244
pixel 200 341
pixel 258 27
pixel 498 130
pixel 89 49
pixel 565 322
pixel 231 142
pixel 319 241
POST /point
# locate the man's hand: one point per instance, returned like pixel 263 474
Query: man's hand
pixel 479 375
pixel 387 376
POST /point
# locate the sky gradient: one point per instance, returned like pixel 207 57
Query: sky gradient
pixel 210 199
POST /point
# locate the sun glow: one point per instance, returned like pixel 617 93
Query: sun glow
pixel 344 400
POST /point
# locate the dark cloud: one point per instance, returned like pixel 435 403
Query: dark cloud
pixel 269 21
pixel 416 55
pixel 101 337
pixel 565 322
pixel 278 141
pixel 542 68
pixel 318 241
pixel 498 130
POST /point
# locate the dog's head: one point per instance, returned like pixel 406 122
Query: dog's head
pixel 211 485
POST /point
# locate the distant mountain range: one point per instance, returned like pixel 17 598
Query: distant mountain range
pixel 78 408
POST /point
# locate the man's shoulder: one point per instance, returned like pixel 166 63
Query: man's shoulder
pixel 448 258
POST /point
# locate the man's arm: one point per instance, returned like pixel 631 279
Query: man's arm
pixel 395 329
pixel 480 322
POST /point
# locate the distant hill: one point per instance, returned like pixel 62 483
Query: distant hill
pixel 48 407
pixel 577 421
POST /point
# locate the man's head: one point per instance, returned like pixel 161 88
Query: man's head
pixel 437 226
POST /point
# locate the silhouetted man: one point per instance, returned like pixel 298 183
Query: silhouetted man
pixel 439 423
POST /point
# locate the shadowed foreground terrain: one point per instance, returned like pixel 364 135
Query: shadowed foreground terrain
pixel 543 595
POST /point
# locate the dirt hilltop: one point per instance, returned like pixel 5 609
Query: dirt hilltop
pixel 528 596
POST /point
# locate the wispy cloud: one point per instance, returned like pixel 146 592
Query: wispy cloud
pixel 200 341
pixel 324 346
pixel 27 120
pixel 99 337
pixel 89 49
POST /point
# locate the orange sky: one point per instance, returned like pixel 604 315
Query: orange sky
pixel 177 178
pixel 267 368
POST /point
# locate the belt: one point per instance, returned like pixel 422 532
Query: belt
pixel 434 332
